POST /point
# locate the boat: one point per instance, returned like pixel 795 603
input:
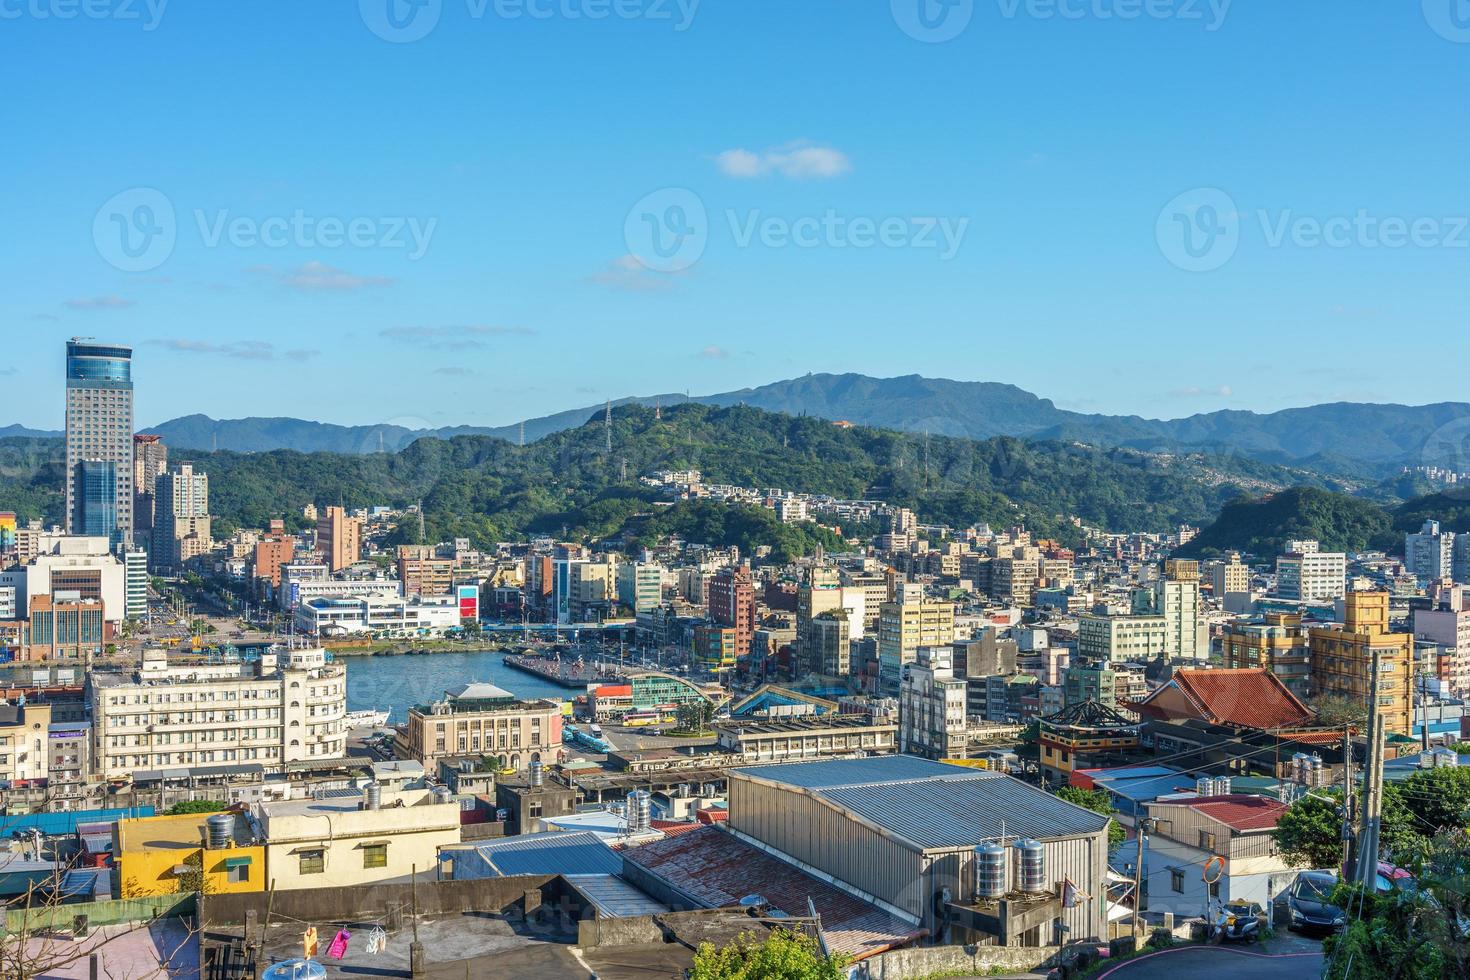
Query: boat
pixel 366 719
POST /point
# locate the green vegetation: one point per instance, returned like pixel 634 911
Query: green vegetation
pixel 1097 801
pixel 1428 804
pixel 782 956
pixel 195 806
pixel 569 485
pixel 1262 526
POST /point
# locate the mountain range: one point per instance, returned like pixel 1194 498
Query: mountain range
pixel 1359 440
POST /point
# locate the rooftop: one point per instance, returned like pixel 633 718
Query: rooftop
pixel 1238 811
pixel 554 853
pixel 1248 697
pixel 932 805
pixel 718 869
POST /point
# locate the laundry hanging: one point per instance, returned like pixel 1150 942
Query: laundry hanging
pixel 338 949
pixel 377 941
pixel 309 942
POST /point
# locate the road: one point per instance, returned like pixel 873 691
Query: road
pixel 1231 961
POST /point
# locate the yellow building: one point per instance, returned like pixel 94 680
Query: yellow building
pixel 164 855
pixel 1342 660
pixel 1276 642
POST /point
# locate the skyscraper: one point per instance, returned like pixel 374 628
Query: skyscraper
pixel 182 527
pixel 99 439
pixel 150 461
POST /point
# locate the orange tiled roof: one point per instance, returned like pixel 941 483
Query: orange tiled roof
pixel 1249 697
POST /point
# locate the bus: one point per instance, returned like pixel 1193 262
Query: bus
pixel 643 719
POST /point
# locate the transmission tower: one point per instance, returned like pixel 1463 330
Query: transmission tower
pixel 607 424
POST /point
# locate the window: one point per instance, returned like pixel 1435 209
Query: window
pixel 1176 880
pixel 238 875
pixel 375 856
pixel 313 862
pixel 1206 840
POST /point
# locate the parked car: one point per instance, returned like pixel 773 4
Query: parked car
pixel 1309 905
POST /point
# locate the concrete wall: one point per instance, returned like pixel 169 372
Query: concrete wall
pixel 100 913
pixel 927 961
pixel 371 901
pixel 641 930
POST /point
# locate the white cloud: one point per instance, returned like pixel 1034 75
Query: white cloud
pixel 242 350
pixel 1223 391
pixel 626 272
pixel 799 161
pixel 98 303
pixel 714 353
pixel 319 277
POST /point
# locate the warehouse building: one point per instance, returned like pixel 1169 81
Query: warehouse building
pixel 901 833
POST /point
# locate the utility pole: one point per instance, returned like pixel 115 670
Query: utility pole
pixel 1367 867
pixel 1349 829
pixel 1138 879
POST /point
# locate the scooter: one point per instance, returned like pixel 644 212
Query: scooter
pixel 1237 922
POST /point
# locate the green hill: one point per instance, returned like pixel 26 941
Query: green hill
pixel 570 484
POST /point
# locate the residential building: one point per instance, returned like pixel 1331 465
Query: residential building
pixel 1116 639
pixel 640 586
pixel 272 553
pixel 1227 576
pixel 1092 682
pixel 732 604
pixel 1343 660
pixel 931 706
pixel 1309 574
pixel 422 572
pixel 379 836
pixel 135 584
pixel 150 461
pixel 24 734
pixel 1175 597
pixel 1013 580
pixel 714 648
pixel 215 853
pixel 99 439
pixel 181 524
pixel 1448 625
pixel 188 711
pixel 482 720
pixel 338 538
pixel 1234 832
pixel 904 627
pixel 829 644
pixel 1274 642
pixel 1429 554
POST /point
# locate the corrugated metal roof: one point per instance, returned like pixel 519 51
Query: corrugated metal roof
pixel 947 813
pixel 550 854
pixel 934 805
pixel 614 897
pixel 855 772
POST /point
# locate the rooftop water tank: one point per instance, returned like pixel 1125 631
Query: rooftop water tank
pixel 1030 867
pixel 990 871
pixel 221 830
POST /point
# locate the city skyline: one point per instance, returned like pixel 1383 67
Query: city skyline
pixel 467 213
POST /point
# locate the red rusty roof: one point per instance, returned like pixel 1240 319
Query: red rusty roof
pixel 1248 697
pixel 718 869
pixel 1239 811
pixel 673 828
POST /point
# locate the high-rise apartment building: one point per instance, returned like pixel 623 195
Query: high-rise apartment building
pixel 1227 576
pixel 1448 625
pixel 150 461
pixel 422 572
pixel 1343 658
pixel 904 627
pixel 1429 554
pixel 99 439
pixel 1176 598
pixel 338 538
pixel 931 707
pixel 829 644
pixel 181 521
pixel 1118 639
pixel 1275 642
pixel 732 603
pixel 640 586
pixel 1307 574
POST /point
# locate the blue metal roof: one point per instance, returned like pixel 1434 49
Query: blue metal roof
pixel 933 805
pixel 66 822
pixel 538 854
pixel 1130 772
pixel 1148 787
pixel 856 772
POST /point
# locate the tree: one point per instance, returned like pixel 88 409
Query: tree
pixel 1098 801
pixel 195 806
pixel 1336 711
pixel 782 956
pixel 693 717
pixel 1309 834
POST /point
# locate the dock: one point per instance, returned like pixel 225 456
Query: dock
pixel 569 674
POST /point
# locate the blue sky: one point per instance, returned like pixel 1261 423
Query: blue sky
pixel 1066 147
